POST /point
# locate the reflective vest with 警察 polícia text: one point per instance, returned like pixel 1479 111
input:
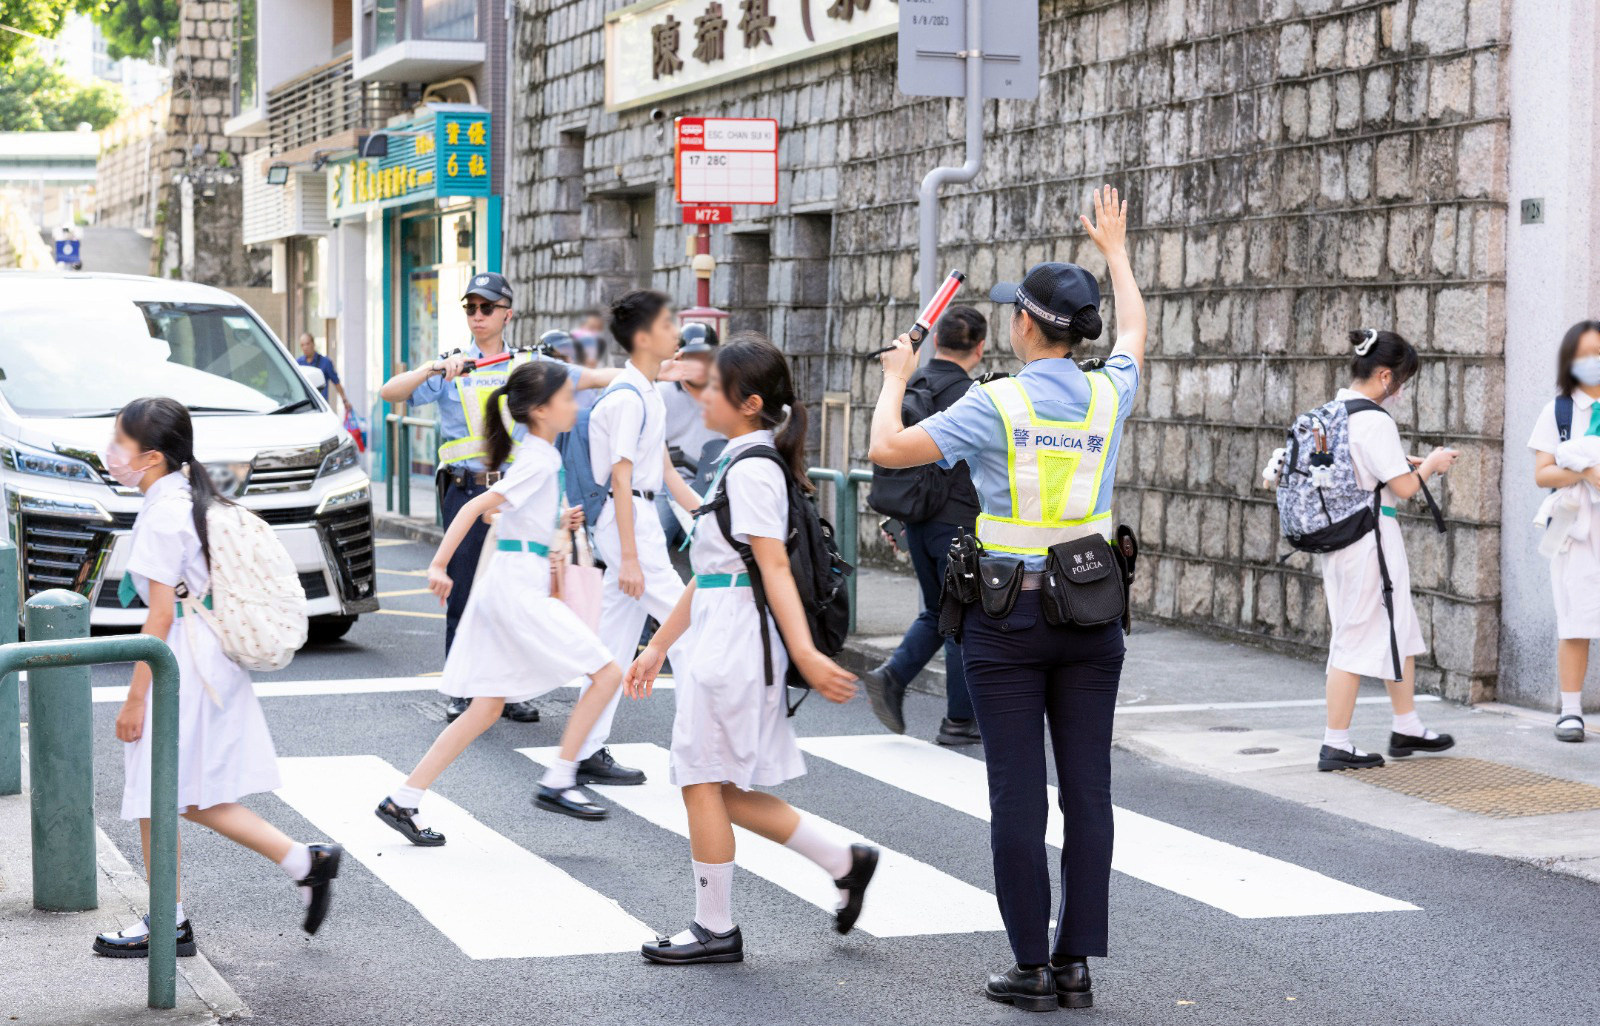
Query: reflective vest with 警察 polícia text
pixel 474 390
pixel 1055 470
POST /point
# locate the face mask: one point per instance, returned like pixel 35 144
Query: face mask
pixel 1587 370
pixel 118 464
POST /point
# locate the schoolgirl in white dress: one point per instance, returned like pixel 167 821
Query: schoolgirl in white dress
pixel 517 640
pixel 1360 645
pixel 1573 541
pixel 224 749
pixel 731 730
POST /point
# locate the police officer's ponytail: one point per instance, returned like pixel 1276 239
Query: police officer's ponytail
pixel 750 365
pixel 527 388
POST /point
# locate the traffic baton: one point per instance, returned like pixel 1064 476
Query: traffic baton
pixel 931 313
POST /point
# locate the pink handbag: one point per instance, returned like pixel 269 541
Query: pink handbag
pixel 581 581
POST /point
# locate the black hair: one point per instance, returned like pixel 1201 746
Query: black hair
pixel 159 424
pixel 1085 324
pixel 527 388
pixel 635 312
pixel 751 365
pixel 1565 381
pixel 1387 349
pixel 961 329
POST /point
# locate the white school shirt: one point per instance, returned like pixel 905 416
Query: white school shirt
pixel 758 507
pixel 1375 447
pixel 164 546
pixel 1546 436
pixel 531 492
pixel 629 427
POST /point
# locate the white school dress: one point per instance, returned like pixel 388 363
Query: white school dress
pixel 1575 570
pixel 224 748
pixel 1350 576
pixel 731 726
pixel 515 641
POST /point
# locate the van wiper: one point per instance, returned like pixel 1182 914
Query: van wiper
pixel 112 412
pixel 298 404
pixel 218 409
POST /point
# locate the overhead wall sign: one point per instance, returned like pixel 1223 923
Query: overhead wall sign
pixel 726 160
pixel 444 152
pixel 661 48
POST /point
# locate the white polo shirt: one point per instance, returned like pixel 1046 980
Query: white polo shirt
pixel 625 426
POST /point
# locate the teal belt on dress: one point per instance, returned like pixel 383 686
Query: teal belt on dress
pixel 127 594
pixel 1388 511
pixel 514 545
pixel 722 580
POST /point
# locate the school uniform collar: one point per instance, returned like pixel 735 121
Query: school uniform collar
pixel 1581 400
pixel 537 446
pixel 172 484
pixel 748 439
pixel 634 374
pixel 1049 366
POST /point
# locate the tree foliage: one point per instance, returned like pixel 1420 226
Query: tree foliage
pixel 132 26
pixel 37 96
pixel 39 17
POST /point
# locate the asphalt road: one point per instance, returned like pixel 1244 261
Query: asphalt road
pixel 1492 942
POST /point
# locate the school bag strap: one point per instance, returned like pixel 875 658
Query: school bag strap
pixel 720 508
pixel 1354 406
pixel 1564 417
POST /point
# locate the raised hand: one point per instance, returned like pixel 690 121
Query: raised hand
pixel 1109 229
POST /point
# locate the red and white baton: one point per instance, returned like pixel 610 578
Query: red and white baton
pixel 931 313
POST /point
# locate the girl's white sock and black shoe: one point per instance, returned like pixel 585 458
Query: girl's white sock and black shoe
pixel 1409 736
pixel 134 942
pixel 1339 753
pixel 558 792
pixel 850 865
pixel 711 936
pixel 1569 724
pixel 400 812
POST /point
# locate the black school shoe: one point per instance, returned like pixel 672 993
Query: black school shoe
pixel 601 768
pixel 706 947
pixel 400 819
pixel 1402 745
pixel 863 864
pixel 115 945
pixel 1033 990
pixel 1331 758
pixel 958 732
pixel 1074 989
pixel 520 712
pixel 888 697
pixel 1570 728
pixel 553 799
pixel 454 708
pixel 325 860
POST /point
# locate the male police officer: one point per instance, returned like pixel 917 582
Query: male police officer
pixel 1042 447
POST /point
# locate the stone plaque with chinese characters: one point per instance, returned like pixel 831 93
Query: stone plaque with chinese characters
pixel 662 48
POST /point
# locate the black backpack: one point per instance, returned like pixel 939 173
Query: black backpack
pixel 819 570
pixel 911 494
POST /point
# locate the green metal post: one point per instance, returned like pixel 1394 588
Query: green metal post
pixel 389 428
pixel 851 545
pixel 10 702
pixel 403 470
pixel 60 751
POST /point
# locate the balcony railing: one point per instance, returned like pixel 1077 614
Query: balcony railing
pixel 326 102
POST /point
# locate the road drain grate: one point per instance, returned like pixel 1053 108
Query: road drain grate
pixel 1486 788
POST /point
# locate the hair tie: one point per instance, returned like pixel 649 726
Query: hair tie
pixel 506 418
pixel 184 468
pixel 1369 340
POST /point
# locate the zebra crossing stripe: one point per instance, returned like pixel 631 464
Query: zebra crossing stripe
pixel 460 888
pixel 1236 880
pixel 321 688
pixel 907 898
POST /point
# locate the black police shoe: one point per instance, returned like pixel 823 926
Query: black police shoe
pixel 325 860
pixel 1074 989
pixel 1402 745
pixel 400 819
pixel 888 697
pixel 115 945
pixel 520 712
pixel 454 708
pixel 1331 758
pixel 601 768
pixel 555 800
pixel 958 732
pixel 1033 990
pixel 706 947
pixel 863 864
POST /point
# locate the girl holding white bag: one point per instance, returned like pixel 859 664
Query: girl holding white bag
pixel 517 639
pixel 1563 442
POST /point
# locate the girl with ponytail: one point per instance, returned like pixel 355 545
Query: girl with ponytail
pixel 517 639
pixel 224 749
pixel 731 731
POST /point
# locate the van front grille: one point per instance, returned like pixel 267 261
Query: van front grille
pixel 349 533
pixel 59 552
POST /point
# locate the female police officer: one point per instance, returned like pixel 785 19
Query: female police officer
pixel 1042 448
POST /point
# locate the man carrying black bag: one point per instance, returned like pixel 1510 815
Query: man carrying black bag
pixel 937 506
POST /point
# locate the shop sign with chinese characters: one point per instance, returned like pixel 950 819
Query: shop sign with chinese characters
pixel 661 48
pixel 443 153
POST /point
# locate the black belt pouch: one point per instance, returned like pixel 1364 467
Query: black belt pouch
pixel 1000 580
pixel 1083 584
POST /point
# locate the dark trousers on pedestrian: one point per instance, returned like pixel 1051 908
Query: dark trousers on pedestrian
pixel 929 545
pixel 463 566
pixel 1023 675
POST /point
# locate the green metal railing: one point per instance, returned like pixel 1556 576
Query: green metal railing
pixel 10 703
pixel 60 756
pixel 397 461
pixel 847 517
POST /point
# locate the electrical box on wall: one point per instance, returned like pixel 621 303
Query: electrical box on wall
pixel 1533 211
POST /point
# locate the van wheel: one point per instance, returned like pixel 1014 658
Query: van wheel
pixel 325 629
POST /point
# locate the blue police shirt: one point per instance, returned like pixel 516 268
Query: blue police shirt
pixel 973 431
pixel 323 364
pixel 452 421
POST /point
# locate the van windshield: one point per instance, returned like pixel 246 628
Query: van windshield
pixel 211 358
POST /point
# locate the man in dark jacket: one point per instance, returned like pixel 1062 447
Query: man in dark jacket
pixel 958 347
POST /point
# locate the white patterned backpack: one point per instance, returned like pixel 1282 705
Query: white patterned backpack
pixel 258 609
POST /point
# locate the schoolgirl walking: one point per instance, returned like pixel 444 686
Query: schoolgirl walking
pixel 224 749
pixel 517 639
pixel 731 730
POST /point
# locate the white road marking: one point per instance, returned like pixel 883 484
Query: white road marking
pixel 1288 703
pixel 1236 880
pixel 461 888
pixel 907 897
pixel 350 686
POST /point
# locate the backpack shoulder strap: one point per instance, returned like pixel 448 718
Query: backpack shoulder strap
pixel 1363 405
pixel 720 508
pixel 1564 417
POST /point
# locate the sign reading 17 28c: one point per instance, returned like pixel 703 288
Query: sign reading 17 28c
pixel 726 160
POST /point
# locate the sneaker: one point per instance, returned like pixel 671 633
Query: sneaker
pixel 888 697
pixel 1331 758
pixel 1569 728
pixel 601 768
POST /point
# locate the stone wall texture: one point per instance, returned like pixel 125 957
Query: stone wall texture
pixel 126 180
pixel 1296 169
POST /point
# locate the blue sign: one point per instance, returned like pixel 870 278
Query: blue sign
pixel 67 251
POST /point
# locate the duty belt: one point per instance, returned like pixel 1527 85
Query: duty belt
pixel 465 479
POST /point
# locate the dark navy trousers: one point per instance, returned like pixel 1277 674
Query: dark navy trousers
pixel 929 544
pixel 463 566
pixel 1025 676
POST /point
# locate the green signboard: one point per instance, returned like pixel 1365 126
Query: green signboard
pixel 441 153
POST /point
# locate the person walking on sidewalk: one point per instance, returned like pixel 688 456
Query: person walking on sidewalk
pixel 937 506
pixel 1570 464
pixel 224 749
pixel 1043 448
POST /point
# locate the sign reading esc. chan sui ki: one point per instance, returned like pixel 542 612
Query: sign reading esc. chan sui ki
pixel 661 48
pixel 441 153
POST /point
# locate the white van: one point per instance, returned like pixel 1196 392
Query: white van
pixel 75 347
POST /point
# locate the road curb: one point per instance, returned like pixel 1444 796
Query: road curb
pixel 393 525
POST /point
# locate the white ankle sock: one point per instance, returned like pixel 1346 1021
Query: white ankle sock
pixel 562 774
pixel 1411 724
pixel 713 896
pixel 408 797
pixel 1572 703
pixel 1338 739
pixel 141 928
pixel 297 866
pixel 833 856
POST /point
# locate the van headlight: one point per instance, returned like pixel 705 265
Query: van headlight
pixel 352 496
pixel 26 460
pixel 342 458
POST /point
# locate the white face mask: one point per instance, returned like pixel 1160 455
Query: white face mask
pixel 1587 370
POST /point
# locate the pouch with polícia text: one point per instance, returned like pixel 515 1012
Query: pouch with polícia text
pixel 1083 584
pixel 1000 578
